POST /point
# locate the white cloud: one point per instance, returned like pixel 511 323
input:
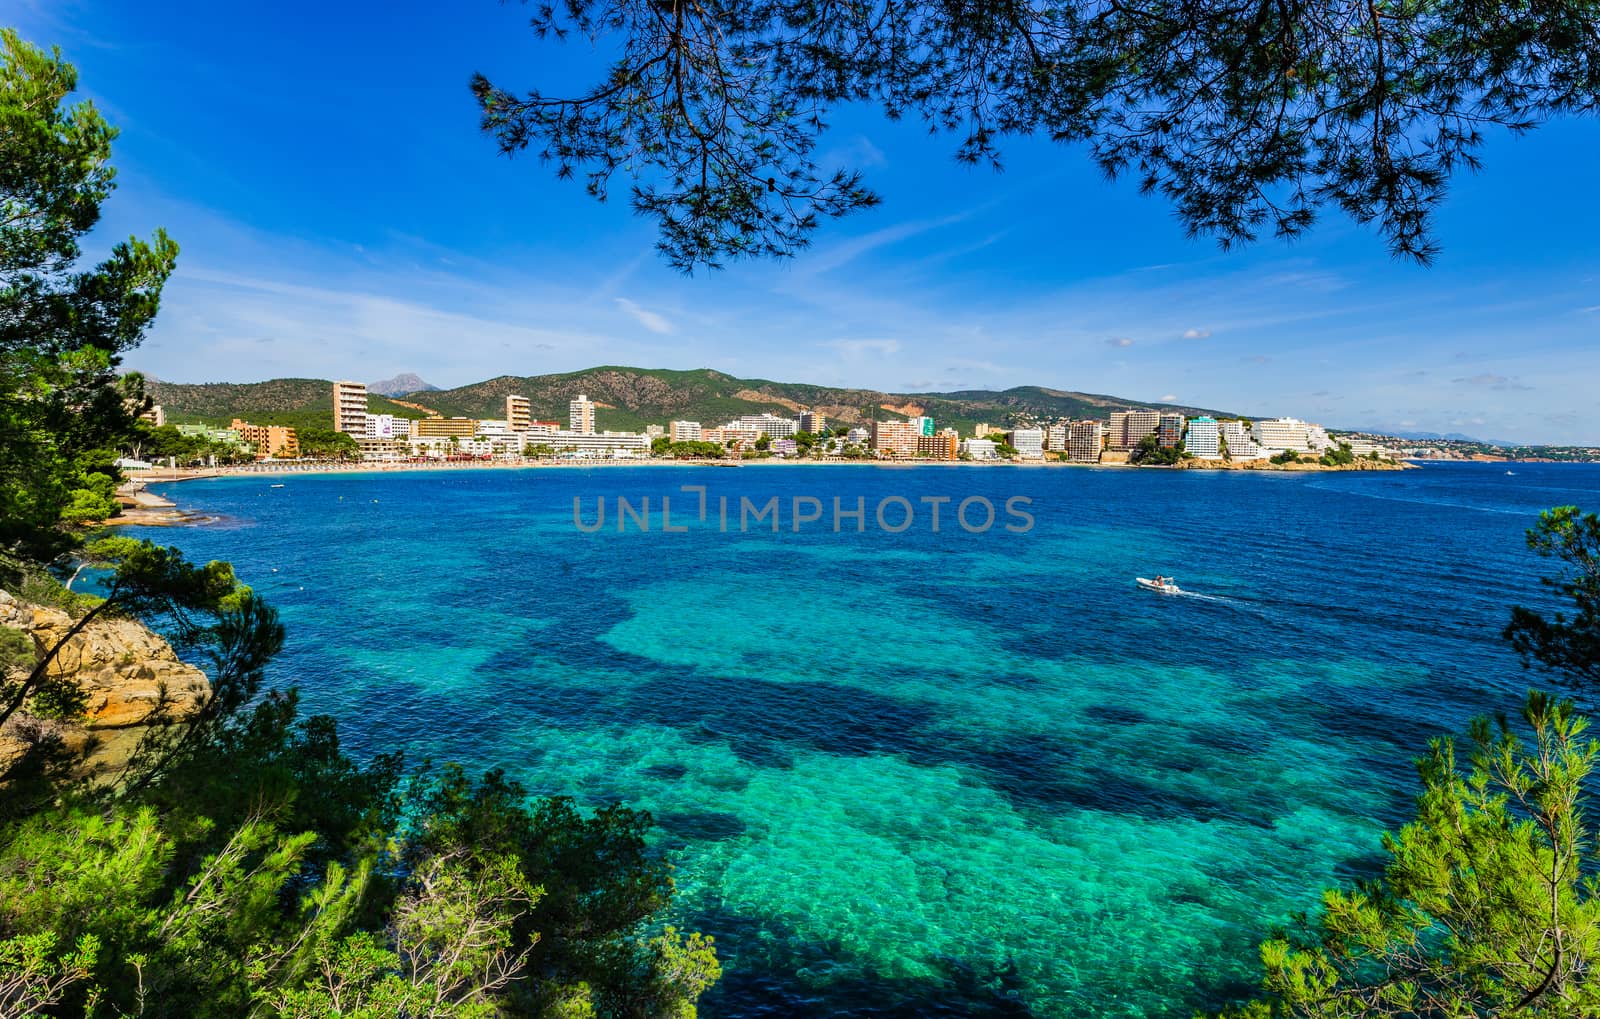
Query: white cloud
pixel 1196 334
pixel 1169 398
pixel 859 348
pixel 645 317
pixel 1119 341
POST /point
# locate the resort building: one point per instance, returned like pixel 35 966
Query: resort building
pixel 1279 435
pixel 1085 440
pixel 941 446
pixel 1028 442
pixel 982 430
pixel 580 415
pixel 383 449
pixel 812 421
pixel 350 408
pixel 1203 439
pixel 684 431
pixel 1057 437
pixel 386 426
pixel 1129 427
pixel 774 427
pixel 155 415
pixel 1169 432
pixel 921 425
pixel 227 435
pixel 857 436
pixel 443 428
pixel 895 438
pixel 519 413
pixel 979 449
pixel 268 440
pixel 606 446
pixel 1237 441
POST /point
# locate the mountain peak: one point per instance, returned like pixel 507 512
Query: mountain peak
pixel 406 382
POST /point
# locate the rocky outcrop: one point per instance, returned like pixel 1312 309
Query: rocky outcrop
pixel 126 672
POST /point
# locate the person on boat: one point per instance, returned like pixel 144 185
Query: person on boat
pixel 1160 580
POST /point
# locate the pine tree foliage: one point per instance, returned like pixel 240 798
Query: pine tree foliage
pixel 1249 116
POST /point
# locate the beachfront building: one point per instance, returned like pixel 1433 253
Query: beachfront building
pixel 444 428
pixel 1237 441
pixel 1057 437
pixel 350 408
pixel 1279 435
pixel 979 449
pixel 580 415
pixel 1085 440
pixel 982 430
pixel 604 446
pixel 1169 432
pixel 812 421
pixel 1028 442
pixel 944 445
pixel 894 438
pixel 1318 439
pixel 772 426
pixel 684 431
pixel 268 440
pixel 227 435
pixel 857 436
pixel 519 413
pixel 1129 427
pixel 1203 440
pixel 155 415
pixel 383 450
pixel 386 426
pixel 922 425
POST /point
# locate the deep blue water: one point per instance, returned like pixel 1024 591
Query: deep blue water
pixel 926 773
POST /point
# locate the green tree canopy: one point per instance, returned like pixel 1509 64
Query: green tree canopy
pixel 63 327
pixel 1250 117
pixel 1568 642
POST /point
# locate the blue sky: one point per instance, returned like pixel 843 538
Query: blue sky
pixel 341 216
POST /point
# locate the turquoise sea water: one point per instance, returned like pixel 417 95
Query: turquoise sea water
pixel 926 773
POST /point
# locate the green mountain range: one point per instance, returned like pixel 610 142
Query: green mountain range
pixel 630 398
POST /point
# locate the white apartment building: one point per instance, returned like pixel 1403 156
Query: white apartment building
pixel 350 408
pixel 1240 443
pixel 1085 440
pixel 1278 435
pixel 580 415
pixel 1028 442
pixel 857 436
pixel 519 412
pixel 684 431
pixel 606 446
pixel 979 449
pixel 774 427
pixel 1203 440
pixel 1057 437
pixel 387 426
pixel 921 425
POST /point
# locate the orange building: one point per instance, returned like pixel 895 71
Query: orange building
pixel 943 446
pixel 269 440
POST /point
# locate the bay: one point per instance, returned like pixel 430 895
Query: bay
pixel 927 772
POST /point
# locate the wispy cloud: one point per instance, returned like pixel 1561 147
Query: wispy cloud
pixel 1119 341
pixel 1197 334
pixel 1169 398
pixel 650 320
pixel 859 348
pixel 1496 382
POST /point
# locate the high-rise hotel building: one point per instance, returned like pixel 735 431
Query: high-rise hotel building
pixel 580 415
pixel 350 408
pixel 1084 441
pixel 519 413
pixel 1129 427
pixel 1203 440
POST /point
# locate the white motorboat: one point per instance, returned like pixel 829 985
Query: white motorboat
pixel 1163 585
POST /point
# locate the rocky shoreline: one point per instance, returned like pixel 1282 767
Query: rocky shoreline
pixel 127 672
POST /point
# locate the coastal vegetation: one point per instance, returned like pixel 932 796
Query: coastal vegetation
pixel 1250 119
pixel 1150 453
pixel 237 862
pixel 1487 903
